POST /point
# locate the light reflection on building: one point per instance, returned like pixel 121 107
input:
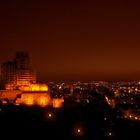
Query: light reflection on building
pixel 35 87
pixel 43 100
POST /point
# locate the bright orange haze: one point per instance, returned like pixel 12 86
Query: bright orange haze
pixel 74 39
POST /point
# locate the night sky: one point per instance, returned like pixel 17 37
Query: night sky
pixel 74 39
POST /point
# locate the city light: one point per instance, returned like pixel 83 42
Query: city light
pixel 4 102
pixel 49 115
pixel 78 130
pixel 57 102
pixel 110 134
pixel 105 118
pixel 131 116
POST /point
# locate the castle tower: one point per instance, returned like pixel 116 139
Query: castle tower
pixel 18 72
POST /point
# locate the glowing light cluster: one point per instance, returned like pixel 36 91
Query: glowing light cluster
pixel 18 101
pixel 110 102
pixel 44 100
pixel 4 102
pixel 117 93
pixel 29 100
pixel 57 102
pixel 131 116
pixel 35 99
pixel 34 87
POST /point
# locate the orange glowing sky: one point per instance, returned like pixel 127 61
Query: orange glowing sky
pixel 74 39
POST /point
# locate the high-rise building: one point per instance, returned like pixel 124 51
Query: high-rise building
pixel 17 72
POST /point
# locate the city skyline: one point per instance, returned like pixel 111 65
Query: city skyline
pixel 74 40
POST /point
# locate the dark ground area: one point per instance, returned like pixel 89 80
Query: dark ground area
pixel 22 122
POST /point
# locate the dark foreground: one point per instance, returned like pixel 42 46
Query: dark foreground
pixel 22 122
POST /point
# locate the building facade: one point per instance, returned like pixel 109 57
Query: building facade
pixel 17 72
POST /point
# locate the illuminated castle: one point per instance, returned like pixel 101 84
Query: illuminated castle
pixel 21 87
pixel 18 72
